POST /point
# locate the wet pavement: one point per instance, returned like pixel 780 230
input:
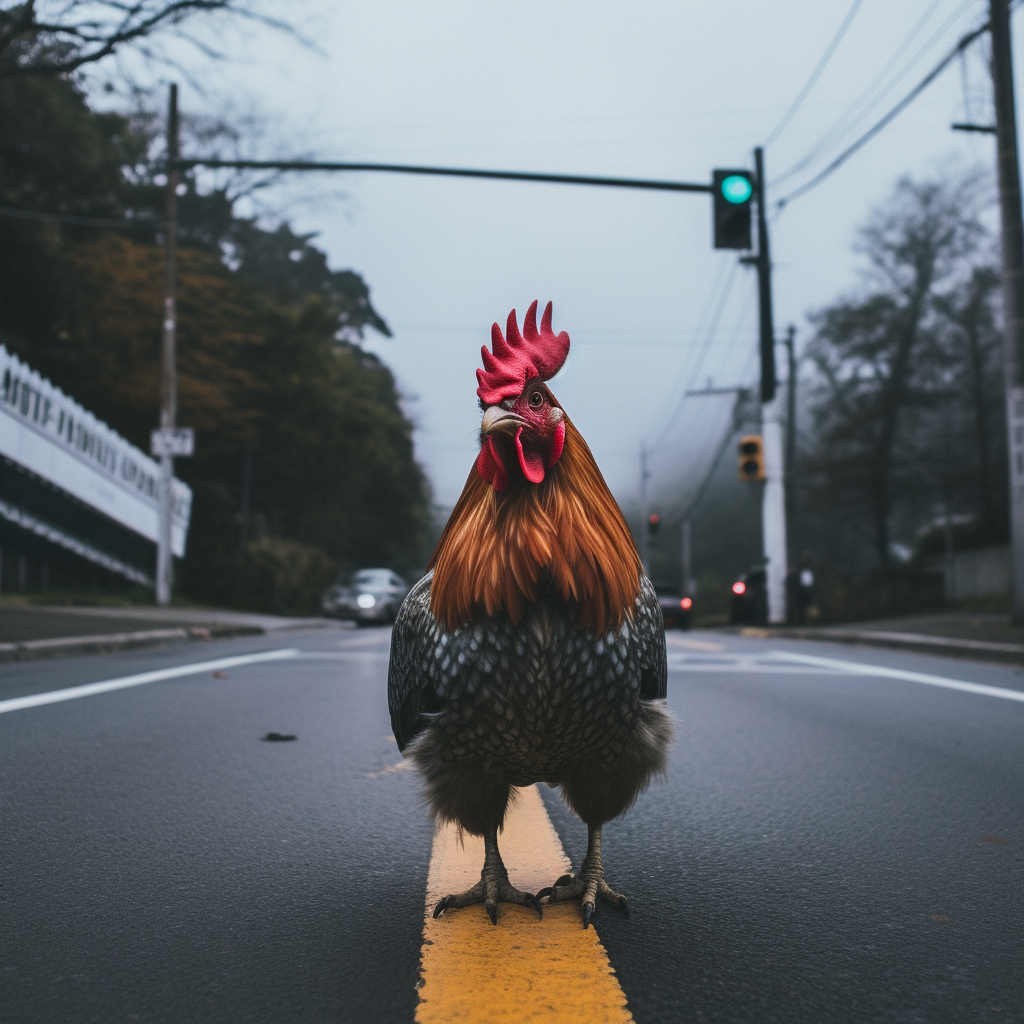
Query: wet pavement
pixel 831 842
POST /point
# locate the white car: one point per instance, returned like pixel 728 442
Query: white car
pixel 369 595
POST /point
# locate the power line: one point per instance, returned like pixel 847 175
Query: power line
pixel 879 125
pixel 815 74
pixel 879 87
pixel 709 337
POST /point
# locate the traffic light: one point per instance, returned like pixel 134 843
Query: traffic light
pixel 653 522
pixel 751 458
pixel 733 191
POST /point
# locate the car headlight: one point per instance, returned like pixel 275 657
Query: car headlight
pixel 366 600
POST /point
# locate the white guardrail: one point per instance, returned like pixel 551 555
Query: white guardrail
pixel 51 435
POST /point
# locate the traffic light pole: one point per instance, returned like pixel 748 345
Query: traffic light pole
pixel 773 503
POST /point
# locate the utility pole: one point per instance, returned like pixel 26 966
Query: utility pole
pixel 773 502
pixel 688 587
pixel 168 369
pixel 645 541
pixel 789 342
pixel 1013 284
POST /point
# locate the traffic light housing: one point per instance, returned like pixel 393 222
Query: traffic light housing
pixel 653 522
pixel 731 196
pixel 751 452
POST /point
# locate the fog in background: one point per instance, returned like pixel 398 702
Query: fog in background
pixel 648 90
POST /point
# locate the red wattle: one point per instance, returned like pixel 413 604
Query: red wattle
pixel 531 462
pixel 490 466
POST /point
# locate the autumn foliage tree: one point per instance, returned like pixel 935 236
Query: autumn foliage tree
pixel 304 463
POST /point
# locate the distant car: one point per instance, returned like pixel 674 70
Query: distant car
pixel 748 603
pixel 369 595
pixel 675 609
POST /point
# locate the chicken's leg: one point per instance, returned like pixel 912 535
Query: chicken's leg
pixel 588 884
pixel 493 887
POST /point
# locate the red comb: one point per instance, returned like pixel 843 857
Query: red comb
pixel 514 361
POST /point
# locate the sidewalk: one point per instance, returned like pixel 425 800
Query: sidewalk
pixel 40 631
pixel 984 636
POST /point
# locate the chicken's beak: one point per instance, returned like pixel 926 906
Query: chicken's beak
pixel 497 420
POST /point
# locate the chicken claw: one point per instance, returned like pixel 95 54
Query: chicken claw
pixel 492 889
pixel 588 885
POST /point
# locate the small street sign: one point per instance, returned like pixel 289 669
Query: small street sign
pixel 179 441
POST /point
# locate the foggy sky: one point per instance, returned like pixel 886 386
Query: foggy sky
pixel 657 89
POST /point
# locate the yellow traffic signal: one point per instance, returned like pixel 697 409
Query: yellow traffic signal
pixel 751 457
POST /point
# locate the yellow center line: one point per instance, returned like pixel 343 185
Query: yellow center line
pixel 523 969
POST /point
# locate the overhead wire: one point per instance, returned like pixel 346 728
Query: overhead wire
pixel 879 125
pixel 880 86
pixel 708 338
pixel 815 75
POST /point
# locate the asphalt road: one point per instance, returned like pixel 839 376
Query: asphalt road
pixel 828 845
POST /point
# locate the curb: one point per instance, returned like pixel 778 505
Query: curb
pixel 985 650
pixel 31 650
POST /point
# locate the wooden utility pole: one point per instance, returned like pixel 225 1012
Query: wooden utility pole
pixel 168 369
pixel 1013 283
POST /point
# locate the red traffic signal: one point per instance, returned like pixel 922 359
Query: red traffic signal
pixel 653 522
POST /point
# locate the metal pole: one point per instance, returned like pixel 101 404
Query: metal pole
pixel 773 502
pixel 1013 284
pixel 688 587
pixel 168 374
pixel 645 526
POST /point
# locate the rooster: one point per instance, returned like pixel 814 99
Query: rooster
pixel 533 649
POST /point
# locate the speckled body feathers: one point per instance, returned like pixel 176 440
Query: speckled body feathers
pixel 495 704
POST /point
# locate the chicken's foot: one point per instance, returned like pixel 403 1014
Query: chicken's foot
pixel 589 884
pixel 493 887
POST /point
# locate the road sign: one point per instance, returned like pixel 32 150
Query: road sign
pixel 178 442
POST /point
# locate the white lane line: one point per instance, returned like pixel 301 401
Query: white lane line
pixel 343 656
pixel 71 693
pixel 751 668
pixel 860 669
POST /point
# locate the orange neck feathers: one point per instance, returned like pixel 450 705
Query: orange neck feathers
pixel 499 550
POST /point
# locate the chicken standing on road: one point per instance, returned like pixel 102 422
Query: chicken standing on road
pixel 533 650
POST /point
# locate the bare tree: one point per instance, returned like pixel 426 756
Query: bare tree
pixel 47 37
pixel 975 349
pixel 880 354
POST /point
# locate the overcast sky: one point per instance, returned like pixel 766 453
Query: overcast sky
pixel 647 89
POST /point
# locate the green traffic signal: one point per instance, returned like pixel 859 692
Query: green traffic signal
pixel 732 197
pixel 736 188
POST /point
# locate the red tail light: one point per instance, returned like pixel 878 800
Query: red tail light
pixel 739 588
pixel 685 603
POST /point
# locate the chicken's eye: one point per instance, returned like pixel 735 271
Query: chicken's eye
pixel 536 400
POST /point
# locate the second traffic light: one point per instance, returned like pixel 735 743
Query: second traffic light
pixel 751 457
pixel 731 197
pixel 653 522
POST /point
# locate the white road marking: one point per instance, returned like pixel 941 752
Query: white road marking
pixel 356 655
pixel 693 645
pixel 858 668
pixel 783 662
pixel 89 689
